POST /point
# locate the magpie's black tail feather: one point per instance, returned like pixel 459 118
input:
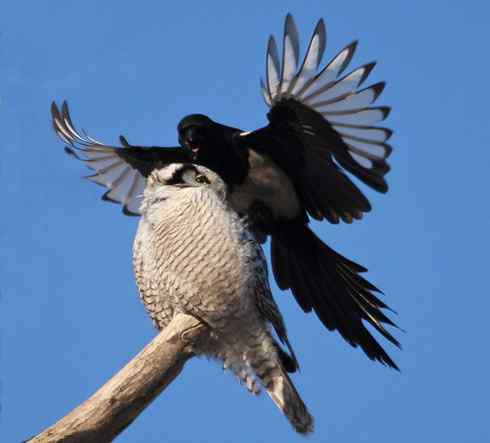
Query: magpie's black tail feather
pixel 328 283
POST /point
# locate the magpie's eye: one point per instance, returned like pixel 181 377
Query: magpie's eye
pixel 202 179
pixel 194 134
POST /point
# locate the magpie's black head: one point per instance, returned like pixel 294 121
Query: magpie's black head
pixel 197 133
pixel 212 145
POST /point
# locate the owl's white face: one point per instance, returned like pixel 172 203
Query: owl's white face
pixel 175 181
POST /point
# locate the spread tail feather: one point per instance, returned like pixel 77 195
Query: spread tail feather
pixel 328 283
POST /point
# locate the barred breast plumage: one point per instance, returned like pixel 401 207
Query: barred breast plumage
pixel 193 254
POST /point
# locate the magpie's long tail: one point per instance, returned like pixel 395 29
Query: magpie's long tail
pixel 328 283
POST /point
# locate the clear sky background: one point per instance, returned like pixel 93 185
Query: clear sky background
pixel 71 316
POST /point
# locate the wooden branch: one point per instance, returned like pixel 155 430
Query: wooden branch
pixel 115 405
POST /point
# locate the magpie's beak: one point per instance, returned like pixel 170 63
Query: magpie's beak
pixel 190 147
pixel 193 147
pixel 193 141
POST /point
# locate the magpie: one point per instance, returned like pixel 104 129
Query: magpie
pixel 322 130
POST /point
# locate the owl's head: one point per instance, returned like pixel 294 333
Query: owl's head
pixel 177 180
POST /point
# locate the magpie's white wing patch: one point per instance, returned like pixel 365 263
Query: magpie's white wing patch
pixel 368 134
pixel 349 101
pixel 125 184
pixel 290 54
pixel 272 60
pixel 337 97
pixel 358 117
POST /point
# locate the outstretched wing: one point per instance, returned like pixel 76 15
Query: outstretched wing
pixel 123 170
pixel 327 118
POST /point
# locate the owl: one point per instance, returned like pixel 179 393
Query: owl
pixel 194 254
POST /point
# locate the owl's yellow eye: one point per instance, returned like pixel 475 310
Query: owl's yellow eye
pixel 202 179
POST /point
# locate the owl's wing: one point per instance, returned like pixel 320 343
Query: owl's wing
pixel 322 125
pixel 270 311
pixel 123 170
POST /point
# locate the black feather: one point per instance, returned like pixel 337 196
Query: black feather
pixel 325 281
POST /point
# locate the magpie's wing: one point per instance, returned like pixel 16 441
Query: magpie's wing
pixel 123 170
pixel 328 120
pixel 322 128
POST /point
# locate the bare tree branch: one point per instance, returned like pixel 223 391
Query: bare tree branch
pixel 116 404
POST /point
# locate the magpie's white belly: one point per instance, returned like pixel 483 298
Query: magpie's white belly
pixel 269 185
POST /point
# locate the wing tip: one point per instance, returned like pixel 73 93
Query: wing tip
pixel 54 108
pixel 378 88
pixel 124 141
pixel 127 211
pixel 386 110
pixel 368 68
pixel 70 151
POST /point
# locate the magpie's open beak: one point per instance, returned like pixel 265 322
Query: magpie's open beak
pixel 193 139
pixel 193 147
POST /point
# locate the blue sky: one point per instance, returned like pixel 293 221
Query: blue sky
pixel 70 312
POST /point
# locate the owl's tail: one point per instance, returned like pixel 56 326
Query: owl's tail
pixel 283 393
pixel 257 363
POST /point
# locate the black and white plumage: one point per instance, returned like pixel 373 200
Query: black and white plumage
pixel 348 117
pixel 321 128
pixel 193 254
